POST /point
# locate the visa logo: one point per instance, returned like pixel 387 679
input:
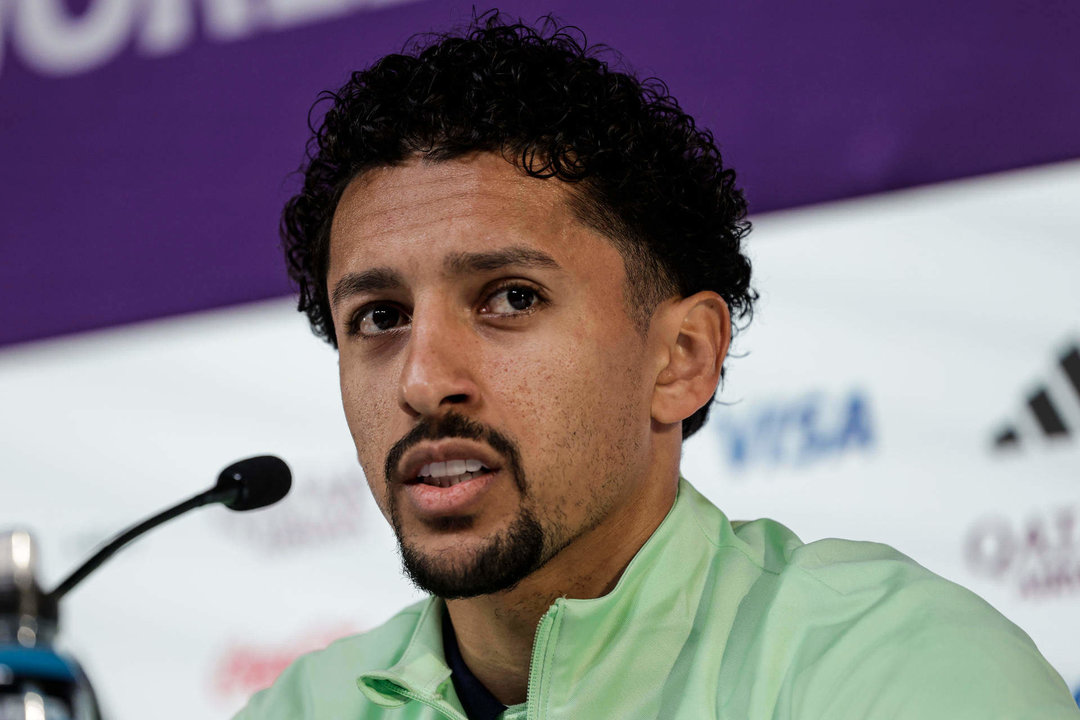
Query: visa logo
pixel 795 432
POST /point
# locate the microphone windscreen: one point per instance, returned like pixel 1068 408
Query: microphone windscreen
pixel 258 482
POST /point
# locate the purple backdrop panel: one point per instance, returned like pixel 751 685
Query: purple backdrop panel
pixel 146 146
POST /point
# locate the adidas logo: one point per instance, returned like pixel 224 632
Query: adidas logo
pixel 1052 411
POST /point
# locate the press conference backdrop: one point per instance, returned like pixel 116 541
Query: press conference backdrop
pixel 912 374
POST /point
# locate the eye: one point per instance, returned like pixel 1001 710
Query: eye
pixel 512 300
pixel 377 319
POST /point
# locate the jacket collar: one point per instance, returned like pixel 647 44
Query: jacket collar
pixel 422 670
pixel 663 582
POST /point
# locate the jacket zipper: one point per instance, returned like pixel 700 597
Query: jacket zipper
pixel 536 669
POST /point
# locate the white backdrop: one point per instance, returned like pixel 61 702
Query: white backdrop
pixel 896 337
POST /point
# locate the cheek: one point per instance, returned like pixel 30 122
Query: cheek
pixel 577 400
pixel 367 413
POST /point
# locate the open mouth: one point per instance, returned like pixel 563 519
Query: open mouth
pixel 451 472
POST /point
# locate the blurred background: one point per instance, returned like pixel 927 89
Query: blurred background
pixel 912 374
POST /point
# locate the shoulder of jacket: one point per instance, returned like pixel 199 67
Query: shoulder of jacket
pixel 378 646
pixel 316 678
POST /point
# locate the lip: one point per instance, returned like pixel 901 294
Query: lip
pixel 430 502
pixel 441 451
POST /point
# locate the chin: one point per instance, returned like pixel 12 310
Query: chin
pixel 468 567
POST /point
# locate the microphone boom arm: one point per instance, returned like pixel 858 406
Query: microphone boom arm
pixel 245 485
pixel 203 498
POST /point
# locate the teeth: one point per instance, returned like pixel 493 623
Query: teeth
pixel 452 480
pixel 450 468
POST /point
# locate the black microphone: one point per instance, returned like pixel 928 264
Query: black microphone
pixel 252 483
pixel 245 485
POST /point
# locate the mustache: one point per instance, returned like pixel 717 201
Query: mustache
pixel 453 425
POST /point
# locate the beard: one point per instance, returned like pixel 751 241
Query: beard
pixel 502 562
pixel 498 564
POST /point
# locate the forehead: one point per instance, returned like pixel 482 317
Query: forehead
pixel 414 212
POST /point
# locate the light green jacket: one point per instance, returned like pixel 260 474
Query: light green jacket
pixel 713 622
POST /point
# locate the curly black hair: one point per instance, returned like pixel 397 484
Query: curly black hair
pixel 644 174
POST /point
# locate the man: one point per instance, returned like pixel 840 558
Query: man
pixel 529 264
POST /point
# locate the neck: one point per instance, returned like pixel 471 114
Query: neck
pixel 495 632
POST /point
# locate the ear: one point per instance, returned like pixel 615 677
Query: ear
pixel 694 333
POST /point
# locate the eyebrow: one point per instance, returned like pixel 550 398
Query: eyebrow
pixel 383 278
pixel 367 281
pixel 463 263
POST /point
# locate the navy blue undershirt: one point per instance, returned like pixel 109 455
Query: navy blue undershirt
pixel 479 704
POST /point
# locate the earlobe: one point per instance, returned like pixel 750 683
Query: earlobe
pixel 695 332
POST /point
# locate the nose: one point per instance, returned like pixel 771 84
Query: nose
pixel 438 374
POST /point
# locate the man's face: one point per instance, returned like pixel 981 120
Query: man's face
pixel 495 386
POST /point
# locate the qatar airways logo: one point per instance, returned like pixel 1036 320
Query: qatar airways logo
pixel 67 37
pixel 1040 555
